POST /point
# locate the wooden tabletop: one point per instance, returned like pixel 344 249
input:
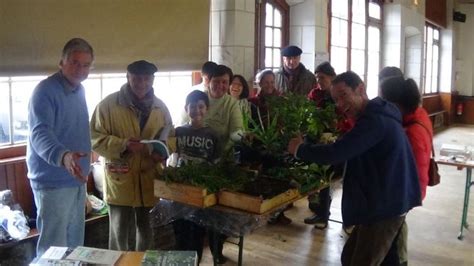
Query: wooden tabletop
pixel 459 164
pixel 130 258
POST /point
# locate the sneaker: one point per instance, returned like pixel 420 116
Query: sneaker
pixel 318 221
pixel 311 219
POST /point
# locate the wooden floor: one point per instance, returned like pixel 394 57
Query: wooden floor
pixel 433 228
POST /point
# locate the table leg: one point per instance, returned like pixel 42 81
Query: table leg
pixel 467 192
pixel 215 240
pixel 241 247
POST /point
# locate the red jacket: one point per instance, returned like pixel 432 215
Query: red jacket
pixel 323 97
pixel 420 138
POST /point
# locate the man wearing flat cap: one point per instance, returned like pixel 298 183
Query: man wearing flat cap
pixel 293 76
pixel 118 125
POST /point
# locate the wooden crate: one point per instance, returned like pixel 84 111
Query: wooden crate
pixel 196 196
pixel 255 204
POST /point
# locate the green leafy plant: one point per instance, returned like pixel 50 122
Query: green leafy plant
pixel 298 115
pixel 266 134
pixel 287 117
pixel 306 177
pixel 212 177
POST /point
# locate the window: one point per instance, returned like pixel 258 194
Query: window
pixel 171 87
pixel 431 59
pixel 272 33
pixel 355 29
pixel 16 92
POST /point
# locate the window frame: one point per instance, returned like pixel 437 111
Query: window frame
pixel 369 22
pixel 13 149
pixel 425 46
pixel 260 19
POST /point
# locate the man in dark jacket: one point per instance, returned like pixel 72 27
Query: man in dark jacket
pixel 293 76
pixel 381 182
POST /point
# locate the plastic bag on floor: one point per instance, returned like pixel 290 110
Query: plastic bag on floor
pixel 14 222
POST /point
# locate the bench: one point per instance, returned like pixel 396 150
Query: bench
pixel 438 118
pixel 33 234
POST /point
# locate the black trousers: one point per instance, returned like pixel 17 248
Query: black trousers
pixel 321 206
pixel 189 236
pixel 216 242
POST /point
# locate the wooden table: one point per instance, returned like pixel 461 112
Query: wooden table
pixel 232 212
pixel 467 189
pixel 130 258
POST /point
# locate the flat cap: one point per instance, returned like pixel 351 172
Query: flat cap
pixel 142 67
pixel 325 68
pixel 291 51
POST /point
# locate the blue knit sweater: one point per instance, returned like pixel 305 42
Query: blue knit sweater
pixel 381 178
pixel 58 122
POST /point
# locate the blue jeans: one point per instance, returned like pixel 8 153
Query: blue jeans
pixel 60 217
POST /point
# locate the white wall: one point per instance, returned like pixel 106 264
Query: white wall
pixel 413 54
pixel 464 82
pixel 403 37
pixel 232 37
pixel 447 71
pixel 308 30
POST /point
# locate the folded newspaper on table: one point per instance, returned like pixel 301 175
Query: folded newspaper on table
pixel 62 256
pixel 55 256
pixel 94 255
pixel 157 146
pixel 169 257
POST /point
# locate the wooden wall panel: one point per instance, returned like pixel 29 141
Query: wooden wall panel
pixel 13 177
pixel 25 194
pixel 436 13
pixel 432 103
pixel 468 113
pixel 3 177
pixel 447 103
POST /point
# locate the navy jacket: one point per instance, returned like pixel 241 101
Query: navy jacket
pixel 381 180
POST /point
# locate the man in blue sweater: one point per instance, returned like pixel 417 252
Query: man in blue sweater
pixel 58 150
pixel 381 182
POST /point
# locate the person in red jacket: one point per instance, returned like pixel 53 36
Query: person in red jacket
pixel 320 203
pixel 417 124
